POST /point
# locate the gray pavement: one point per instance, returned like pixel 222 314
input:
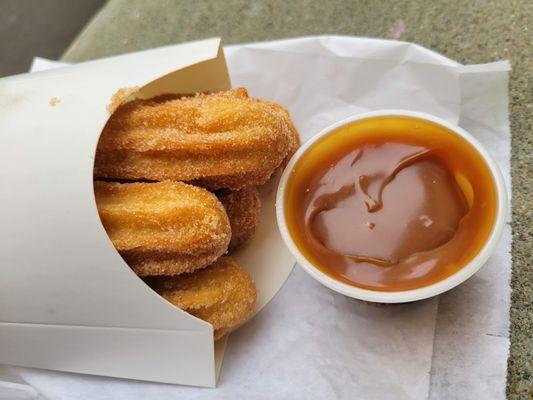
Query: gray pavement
pixel 39 27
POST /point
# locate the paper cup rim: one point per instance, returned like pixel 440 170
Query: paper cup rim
pixel 406 295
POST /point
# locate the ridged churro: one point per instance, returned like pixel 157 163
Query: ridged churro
pixel 220 140
pixel 163 228
pixel 243 208
pixel 222 294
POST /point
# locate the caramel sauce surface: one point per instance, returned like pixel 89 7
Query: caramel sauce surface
pixel 390 203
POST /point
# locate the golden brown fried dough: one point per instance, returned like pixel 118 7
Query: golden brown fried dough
pixel 243 208
pixel 167 263
pixel 220 140
pixel 163 228
pixel 222 294
pixel 294 144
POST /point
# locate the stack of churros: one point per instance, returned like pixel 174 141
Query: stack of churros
pixel 176 187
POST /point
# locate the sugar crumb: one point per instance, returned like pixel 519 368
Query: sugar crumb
pixel 54 101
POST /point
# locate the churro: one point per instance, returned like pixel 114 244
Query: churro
pixel 163 228
pixel 220 140
pixel 222 294
pixel 243 208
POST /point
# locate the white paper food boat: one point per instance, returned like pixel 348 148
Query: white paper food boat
pixel 68 301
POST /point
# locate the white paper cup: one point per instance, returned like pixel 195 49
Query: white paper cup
pixel 407 295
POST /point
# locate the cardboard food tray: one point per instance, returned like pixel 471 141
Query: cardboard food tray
pixel 68 301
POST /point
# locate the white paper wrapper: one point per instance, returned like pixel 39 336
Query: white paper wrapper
pixel 311 343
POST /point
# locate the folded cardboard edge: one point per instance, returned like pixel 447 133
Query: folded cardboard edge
pixel 220 350
pixel 142 354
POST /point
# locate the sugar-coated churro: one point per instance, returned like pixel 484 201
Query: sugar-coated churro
pixel 163 228
pixel 220 140
pixel 243 208
pixel 222 294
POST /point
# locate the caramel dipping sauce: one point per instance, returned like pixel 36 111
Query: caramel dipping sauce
pixel 390 203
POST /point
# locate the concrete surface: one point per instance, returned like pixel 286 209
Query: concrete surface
pixel 31 28
pixel 467 31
